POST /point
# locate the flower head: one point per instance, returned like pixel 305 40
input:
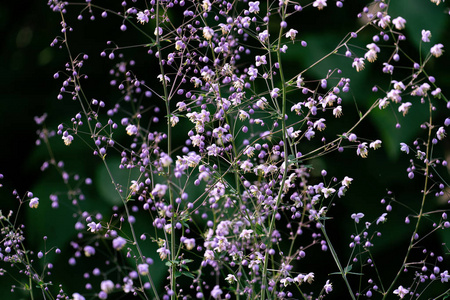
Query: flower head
pixel 143 269
pixel 34 202
pixel 253 7
pixel 358 64
pixel 426 34
pixel 401 292
pixel 328 287
pixel 142 16
pixel 399 23
pixel 291 34
pixel 118 243
pixel 320 4
pixel 436 50
pixel 216 292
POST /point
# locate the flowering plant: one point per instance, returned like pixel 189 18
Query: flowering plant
pixel 224 148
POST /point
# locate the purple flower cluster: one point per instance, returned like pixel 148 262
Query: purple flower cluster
pixel 213 154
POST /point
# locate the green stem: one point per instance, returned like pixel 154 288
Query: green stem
pixel 336 260
pixel 419 217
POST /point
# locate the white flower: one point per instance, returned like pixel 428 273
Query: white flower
pixel 131 129
pixel 347 181
pixel 142 17
pixel 309 278
pixel 166 78
pixel 371 55
pixel 206 5
pixel 327 192
pixel 34 202
pixel 362 150
pixel 436 50
pixel 67 139
pixel 174 120
pixel 426 34
pixel 375 144
pixel 440 134
pixel 208 33
pixel 404 148
pixel 190 243
pixel 399 23
pixel 320 4
pixel 107 286
pixel 77 296
pixel 246 234
pixel 384 21
pixel 358 64
pixel 231 278
pixel 291 34
pixel 401 292
pixel 404 107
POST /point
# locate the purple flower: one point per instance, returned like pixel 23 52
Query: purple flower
pixel 142 17
pixel 328 287
pixel 357 217
pixel 216 292
pixel 426 34
pixel 263 36
pixel 77 296
pixel 253 7
pixel 89 251
pixel 118 243
pixel 34 202
pixel 107 286
pixel 274 93
pixel 143 269
pixel 404 148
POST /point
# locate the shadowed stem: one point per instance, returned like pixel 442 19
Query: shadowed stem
pixel 419 217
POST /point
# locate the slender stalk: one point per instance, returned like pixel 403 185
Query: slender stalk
pixel 424 196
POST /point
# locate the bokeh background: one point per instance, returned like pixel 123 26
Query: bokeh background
pixel 27 89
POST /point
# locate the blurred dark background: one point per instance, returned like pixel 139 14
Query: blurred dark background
pixel 27 89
